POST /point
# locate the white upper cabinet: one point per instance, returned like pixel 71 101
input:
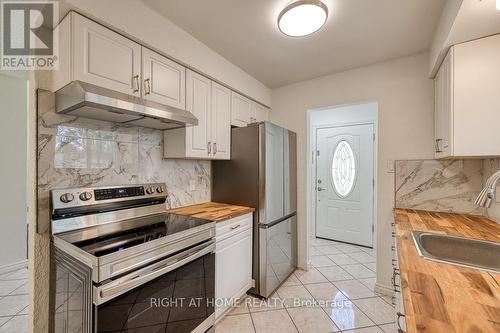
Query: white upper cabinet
pixel 221 121
pixel 211 138
pixel 163 80
pixel 94 54
pixel 468 100
pixel 245 111
pixel 198 103
pixel 260 113
pixel 444 108
pixel 241 110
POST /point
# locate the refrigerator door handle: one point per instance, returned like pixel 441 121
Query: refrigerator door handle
pixel 278 221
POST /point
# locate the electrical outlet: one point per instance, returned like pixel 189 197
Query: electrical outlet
pixel 390 166
pixel 192 185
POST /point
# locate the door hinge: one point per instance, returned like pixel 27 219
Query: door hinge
pixel 373 136
pixel 373 227
pixel 317 152
pixel 373 183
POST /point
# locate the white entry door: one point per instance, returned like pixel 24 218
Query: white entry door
pixel 345 184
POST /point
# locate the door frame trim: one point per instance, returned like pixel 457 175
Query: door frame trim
pixel 313 179
pixel 358 118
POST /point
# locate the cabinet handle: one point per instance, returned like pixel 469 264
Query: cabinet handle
pixel 215 148
pixel 438 150
pixel 135 83
pixel 235 226
pixel 147 86
pixel 209 147
pixel 400 315
pixel 393 280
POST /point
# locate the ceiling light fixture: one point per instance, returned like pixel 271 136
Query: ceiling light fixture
pixel 302 18
pixel 498 4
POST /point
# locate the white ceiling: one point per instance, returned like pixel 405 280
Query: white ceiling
pixel 357 33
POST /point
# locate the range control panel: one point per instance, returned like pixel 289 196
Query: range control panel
pixel 74 197
pixel 121 192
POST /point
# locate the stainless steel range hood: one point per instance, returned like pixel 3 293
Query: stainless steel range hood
pixel 90 101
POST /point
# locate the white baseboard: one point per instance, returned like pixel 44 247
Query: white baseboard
pixel 13 267
pixel 384 290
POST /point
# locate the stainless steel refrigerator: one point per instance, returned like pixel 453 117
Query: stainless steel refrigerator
pixel 262 173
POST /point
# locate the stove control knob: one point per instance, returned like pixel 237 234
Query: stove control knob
pixel 150 190
pixel 67 197
pixel 159 189
pixel 84 196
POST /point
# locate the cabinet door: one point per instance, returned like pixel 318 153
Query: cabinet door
pixel 241 110
pixel 444 107
pixel 477 97
pixel 221 121
pixel 164 81
pixel 233 268
pixel 198 95
pixel 105 58
pixel 260 113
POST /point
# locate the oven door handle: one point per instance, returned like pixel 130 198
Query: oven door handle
pixel 124 284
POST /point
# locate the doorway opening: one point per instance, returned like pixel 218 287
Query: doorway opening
pixel 342 188
pixel 14 279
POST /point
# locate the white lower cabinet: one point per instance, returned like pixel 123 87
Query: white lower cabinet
pixel 397 285
pixel 233 261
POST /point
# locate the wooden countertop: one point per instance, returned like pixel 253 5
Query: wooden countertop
pixel 213 211
pixel 442 297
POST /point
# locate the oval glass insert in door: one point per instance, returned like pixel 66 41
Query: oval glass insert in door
pixel 343 169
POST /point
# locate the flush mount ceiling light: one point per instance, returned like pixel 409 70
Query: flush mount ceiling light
pixel 498 4
pixel 302 18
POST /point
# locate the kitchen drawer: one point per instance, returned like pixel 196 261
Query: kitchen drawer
pixel 233 226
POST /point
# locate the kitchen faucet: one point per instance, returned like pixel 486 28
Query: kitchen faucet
pixel 488 193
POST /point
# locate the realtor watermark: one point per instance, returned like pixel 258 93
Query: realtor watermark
pixel 273 302
pixel 27 38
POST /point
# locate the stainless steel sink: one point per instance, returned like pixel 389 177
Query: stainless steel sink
pixel 467 252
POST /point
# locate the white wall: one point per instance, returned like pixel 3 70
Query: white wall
pixel 136 20
pixel 14 129
pixel 406 129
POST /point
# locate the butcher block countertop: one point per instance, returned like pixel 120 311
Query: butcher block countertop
pixel 213 211
pixel 442 297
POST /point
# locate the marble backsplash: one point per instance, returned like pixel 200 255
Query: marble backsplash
pixel 75 152
pixel 439 185
pixel 490 166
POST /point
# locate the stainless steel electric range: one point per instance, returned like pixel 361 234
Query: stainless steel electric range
pixel 122 263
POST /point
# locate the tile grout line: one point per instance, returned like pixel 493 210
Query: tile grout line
pixel 342 294
pixel 352 301
pixel 251 318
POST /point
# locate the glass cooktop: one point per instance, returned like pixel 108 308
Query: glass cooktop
pixel 160 226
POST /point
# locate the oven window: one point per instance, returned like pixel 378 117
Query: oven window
pixel 177 302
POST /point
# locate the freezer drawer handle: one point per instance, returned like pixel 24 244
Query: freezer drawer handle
pixel 131 281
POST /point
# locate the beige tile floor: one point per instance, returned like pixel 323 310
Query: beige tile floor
pixel 335 295
pixel 14 301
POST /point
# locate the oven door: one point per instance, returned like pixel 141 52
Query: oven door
pixel 175 294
